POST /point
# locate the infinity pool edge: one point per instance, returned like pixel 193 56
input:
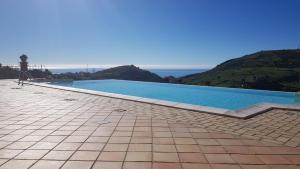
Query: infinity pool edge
pixel 244 113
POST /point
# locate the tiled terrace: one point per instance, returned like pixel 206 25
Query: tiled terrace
pixel 50 128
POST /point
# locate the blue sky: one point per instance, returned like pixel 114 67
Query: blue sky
pixel 178 33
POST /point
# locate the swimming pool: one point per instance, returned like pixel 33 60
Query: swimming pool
pixel 220 97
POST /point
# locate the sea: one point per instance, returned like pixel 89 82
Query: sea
pixel 160 72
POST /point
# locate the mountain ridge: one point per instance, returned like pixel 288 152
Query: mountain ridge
pixel 268 70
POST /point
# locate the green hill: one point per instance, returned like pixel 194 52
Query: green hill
pixel 269 70
pixel 127 72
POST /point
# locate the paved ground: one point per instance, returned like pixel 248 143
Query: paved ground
pixel 49 128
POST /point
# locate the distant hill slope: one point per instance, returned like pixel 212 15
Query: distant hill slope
pixel 127 72
pixel 269 70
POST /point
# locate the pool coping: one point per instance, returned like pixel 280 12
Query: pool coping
pixel 244 113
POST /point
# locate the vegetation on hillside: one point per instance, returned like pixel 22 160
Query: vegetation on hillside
pixel 269 70
pixel 128 72
pixel 11 73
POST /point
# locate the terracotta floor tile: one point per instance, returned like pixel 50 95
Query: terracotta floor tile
pixel 138 156
pixel 75 139
pixel 97 139
pixel 195 166
pixel 112 156
pixel 142 128
pixel 119 140
pixel 230 142
pixel 246 159
pixel 47 164
pixel 32 154
pixel 261 150
pixel 225 166
pixel 273 159
pixel 18 164
pixel 142 134
pixel 166 166
pixel 160 129
pixel 283 166
pixel 257 167
pixel 161 134
pixel 115 147
pixel 295 159
pixel 219 158
pixel 54 139
pixel 238 150
pixel 141 140
pixel 43 146
pixel 32 138
pixel 137 165
pixel 67 146
pixel 192 157
pixel 208 142
pixel 85 155
pixel 107 165
pixel 20 145
pixel 7 153
pixel 181 135
pixel 212 149
pixel 92 146
pixel 197 130
pixel 122 133
pixel 285 150
pixel 164 148
pixel 184 141
pixel 188 148
pixel 140 147
pixel 58 155
pixel 77 165
pixel 163 141
pixel 165 157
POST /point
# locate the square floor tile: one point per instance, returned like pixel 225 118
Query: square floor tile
pixel 20 145
pixel 107 165
pixel 137 165
pixel 219 158
pixel 166 166
pixel 43 146
pixel 67 146
pixel 163 141
pixel 58 155
pixel 112 156
pixel 18 164
pixel 164 148
pixel 138 156
pixel 116 147
pixel 195 166
pixel 273 159
pixel 77 165
pixel 92 146
pixel 46 164
pixel 192 157
pixel 85 155
pixel 119 140
pixel 187 148
pixel 32 154
pixel 165 157
pixel 246 159
pixel 140 147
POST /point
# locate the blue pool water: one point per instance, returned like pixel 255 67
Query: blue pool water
pixel 227 98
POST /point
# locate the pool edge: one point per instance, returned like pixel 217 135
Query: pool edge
pixel 244 113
